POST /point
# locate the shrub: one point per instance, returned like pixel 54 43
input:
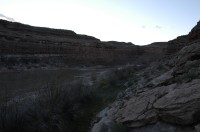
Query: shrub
pixel 11 119
pixel 54 109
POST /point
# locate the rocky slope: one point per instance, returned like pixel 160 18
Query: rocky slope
pixel 166 96
pixel 23 44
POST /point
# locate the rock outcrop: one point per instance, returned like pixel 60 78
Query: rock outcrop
pixel 182 41
pixel 177 44
pixel 195 33
pixel 168 101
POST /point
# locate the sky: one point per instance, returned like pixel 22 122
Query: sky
pixel 138 21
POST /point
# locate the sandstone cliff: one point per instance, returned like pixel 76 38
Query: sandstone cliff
pixel 26 44
pixel 23 44
pixel 165 98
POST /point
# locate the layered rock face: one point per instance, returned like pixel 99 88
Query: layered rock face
pixel 167 100
pixel 26 44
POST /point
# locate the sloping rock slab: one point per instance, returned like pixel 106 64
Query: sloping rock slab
pixel 176 103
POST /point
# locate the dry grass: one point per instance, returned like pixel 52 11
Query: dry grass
pixel 61 109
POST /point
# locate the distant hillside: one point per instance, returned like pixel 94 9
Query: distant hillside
pixel 24 44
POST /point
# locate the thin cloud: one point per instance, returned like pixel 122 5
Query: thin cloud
pixel 6 18
pixel 143 26
pixel 158 27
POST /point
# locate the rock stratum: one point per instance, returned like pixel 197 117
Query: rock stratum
pixel 166 96
pixel 24 44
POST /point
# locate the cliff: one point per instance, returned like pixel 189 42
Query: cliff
pixel 23 44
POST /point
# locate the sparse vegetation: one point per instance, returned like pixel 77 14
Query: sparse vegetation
pixel 59 109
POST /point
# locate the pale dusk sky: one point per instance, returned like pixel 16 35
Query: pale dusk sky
pixel 138 21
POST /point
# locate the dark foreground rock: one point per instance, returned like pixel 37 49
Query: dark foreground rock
pixel 167 102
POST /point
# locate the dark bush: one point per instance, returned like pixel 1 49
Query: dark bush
pixel 53 109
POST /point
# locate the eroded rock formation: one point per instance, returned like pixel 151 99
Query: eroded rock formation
pixel 26 44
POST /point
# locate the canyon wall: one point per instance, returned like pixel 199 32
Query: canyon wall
pixel 25 44
pixel 28 44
